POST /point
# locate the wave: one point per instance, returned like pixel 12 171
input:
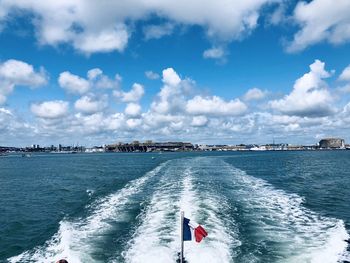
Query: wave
pixel 279 219
pixel 157 239
pixel 247 219
pixel 75 241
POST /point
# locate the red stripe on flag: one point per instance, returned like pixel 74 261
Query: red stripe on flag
pixel 200 233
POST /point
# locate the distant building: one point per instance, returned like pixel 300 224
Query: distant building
pixel 150 147
pixel 332 143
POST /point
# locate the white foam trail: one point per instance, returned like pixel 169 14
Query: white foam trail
pixel 158 237
pixel 90 192
pixel 216 247
pixel 300 234
pixel 152 240
pixel 74 241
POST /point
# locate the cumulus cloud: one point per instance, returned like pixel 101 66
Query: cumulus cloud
pixel 133 109
pixel 94 73
pixel 199 121
pixel 278 15
pixel 254 94
pixel 134 95
pixel 73 83
pixel 321 20
pixel 157 31
pixel 18 73
pixel 50 109
pixel 91 103
pixel 151 75
pixel 101 81
pixel 344 89
pixel 133 123
pixel 309 97
pixel 95 79
pixel 215 53
pixel 13 129
pixel 92 27
pixel 345 75
pixel 179 111
pixel 215 106
pixel 105 40
pixel 171 97
pixel 170 77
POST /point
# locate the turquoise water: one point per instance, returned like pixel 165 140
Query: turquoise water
pixel 256 207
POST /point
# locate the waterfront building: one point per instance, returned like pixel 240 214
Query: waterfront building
pixel 332 143
pixel 150 147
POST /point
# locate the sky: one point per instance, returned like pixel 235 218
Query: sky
pixel 202 71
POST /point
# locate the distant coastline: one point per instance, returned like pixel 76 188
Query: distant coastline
pixel 159 147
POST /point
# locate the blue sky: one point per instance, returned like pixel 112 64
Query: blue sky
pixel 224 71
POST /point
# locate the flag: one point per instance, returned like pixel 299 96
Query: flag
pixel 199 231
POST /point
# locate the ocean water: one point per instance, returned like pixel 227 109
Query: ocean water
pixel 119 207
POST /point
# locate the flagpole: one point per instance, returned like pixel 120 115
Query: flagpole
pixel 182 238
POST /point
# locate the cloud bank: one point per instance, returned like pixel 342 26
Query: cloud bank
pixel 91 27
pixel 180 111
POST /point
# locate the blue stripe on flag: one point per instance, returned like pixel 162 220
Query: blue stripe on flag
pixel 187 230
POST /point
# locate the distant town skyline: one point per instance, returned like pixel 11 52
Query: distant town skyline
pixel 206 72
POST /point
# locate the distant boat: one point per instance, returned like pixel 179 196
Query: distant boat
pixel 153 157
pixel 26 155
pixel 258 148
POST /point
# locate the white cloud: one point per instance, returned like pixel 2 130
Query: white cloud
pixel 157 31
pixel 95 79
pixel 309 97
pixel 133 123
pixel 106 83
pixel 344 89
pixel 21 73
pixel 157 120
pixel 50 109
pixel 151 75
pixel 171 97
pixel 181 111
pixel 278 15
pixel 254 94
pixel 321 20
pixel 105 40
pixel 73 83
pixel 18 73
pixel 94 73
pixel 90 104
pixel 12 128
pixel 199 121
pixel 133 109
pixel 215 53
pixel 215 106
pixel 170 77
pixel 91 26
pixel 134 95
pixel 99 80
pixel 345 75
pixel 5 111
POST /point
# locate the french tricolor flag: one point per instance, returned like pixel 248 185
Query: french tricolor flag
pixel 189 227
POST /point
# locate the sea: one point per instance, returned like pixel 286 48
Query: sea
pixel 273 206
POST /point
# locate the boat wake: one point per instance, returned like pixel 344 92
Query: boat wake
pixel 247 220
pixel 75 241
pixel 157 239
pixel 281 227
